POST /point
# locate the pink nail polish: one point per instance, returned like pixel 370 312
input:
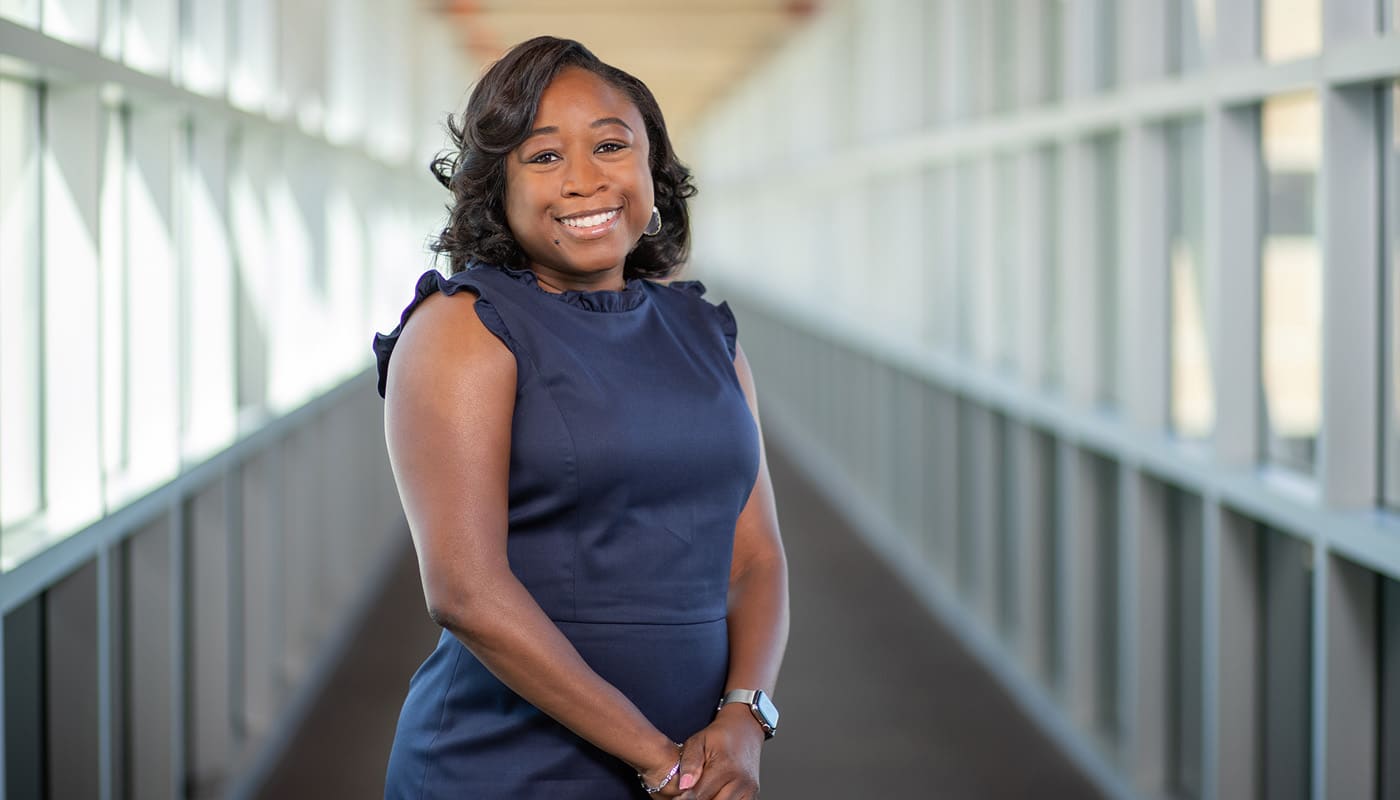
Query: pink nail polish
pixel 687 781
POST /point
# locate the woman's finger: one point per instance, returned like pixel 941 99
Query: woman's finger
pixel 692 762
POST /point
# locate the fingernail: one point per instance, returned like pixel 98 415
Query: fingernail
pixel 687 781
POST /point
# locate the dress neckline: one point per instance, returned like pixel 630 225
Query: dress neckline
pixel 631 295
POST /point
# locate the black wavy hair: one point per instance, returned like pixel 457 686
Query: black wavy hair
pixel 498 118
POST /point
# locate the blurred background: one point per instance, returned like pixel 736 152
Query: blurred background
pixel 1074 324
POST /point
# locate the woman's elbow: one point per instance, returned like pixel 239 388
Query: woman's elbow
pixel 468 609
pixel 450 605
pixel 445 615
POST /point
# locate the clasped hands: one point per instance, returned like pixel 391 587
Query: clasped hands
pixel 719 762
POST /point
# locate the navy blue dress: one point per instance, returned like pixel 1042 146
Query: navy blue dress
pixel 632 453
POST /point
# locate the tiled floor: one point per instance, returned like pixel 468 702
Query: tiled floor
pixel 878 700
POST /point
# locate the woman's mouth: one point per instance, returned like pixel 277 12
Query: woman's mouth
pixel 592 224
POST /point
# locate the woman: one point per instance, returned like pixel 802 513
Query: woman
pixel 581 465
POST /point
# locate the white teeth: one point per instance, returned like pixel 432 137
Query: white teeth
pixel 589 221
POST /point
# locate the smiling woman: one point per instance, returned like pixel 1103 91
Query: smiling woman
pixel 581 465
pixel 580 186
pixel 509 123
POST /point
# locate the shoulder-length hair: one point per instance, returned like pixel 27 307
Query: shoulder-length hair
pixel 498 118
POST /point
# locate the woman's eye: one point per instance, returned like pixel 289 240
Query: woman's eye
pixel 544 158
pixel 610 147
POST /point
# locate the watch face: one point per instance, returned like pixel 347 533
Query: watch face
pixel 766 709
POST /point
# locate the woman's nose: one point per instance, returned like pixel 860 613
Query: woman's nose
pixel 583 178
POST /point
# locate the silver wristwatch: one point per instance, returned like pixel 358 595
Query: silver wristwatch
pixel 759 705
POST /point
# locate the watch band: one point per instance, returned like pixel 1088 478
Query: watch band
pixel 762 708
pixel 745 696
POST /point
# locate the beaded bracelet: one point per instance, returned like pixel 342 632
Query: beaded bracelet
pixel 658 787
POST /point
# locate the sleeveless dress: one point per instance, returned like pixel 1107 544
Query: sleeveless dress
pixel 632 453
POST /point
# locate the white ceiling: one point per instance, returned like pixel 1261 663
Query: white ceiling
pixel 689 52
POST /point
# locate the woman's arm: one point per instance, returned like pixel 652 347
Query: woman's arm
pixel 450 397
pixel 725 754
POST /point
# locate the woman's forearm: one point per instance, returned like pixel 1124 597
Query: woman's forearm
pixel 758 625
pixel 510 634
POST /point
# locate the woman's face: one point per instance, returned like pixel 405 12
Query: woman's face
pixel 579 190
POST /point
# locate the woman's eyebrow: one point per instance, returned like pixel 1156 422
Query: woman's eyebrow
pixel 597 123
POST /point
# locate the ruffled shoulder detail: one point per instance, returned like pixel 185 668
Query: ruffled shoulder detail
pixel 428 283
pixel 722 312
pixel 695 288
pixel 627 298
pixel 729 326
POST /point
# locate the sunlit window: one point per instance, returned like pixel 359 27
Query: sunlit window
pixel 1106 48
pixel 1192 389
pixel 1190 31
pixel 1052 48
pixel 1392 155
pixel 1004 63
pixel 1007 255
pixel 1291 28
pixel 1291 280
pixel 965 197
pixel 25 12
pixel 21 398
pixel 1106 221
pixel 1049 258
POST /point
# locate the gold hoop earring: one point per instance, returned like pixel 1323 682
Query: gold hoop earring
pixel 654 224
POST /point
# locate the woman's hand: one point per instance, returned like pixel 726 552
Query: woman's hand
pixel 657 770
pixel 721 761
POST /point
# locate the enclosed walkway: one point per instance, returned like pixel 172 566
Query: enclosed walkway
pixel 878 699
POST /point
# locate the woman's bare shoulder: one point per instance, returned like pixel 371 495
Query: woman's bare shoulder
pixel 444 342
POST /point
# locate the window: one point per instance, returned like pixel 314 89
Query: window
pixel 1392 206
pixel 1291 281
pixel 1106 47
pixel 1052 50
pixel 1190 31
pixel 1106 217
pixel 25 12
pixel 21 342
pixel 1192 404
pixel 1291 28
pixel 1008 255
pixel 1049 158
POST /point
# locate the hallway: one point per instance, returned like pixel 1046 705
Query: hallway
pixel 878 700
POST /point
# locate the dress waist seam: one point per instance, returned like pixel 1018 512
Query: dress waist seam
pixel 647 624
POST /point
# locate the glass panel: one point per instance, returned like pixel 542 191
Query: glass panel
pixel 1004 62
pixel 151 306
pixel 1106 604
pixel 1190 31
pixel 251 234
pixel 1050 261
pixel 965 203
pixel 1388 627
pixel 150 34
pixel 1106 48
pixel 112 288
pixel 25 12
pixel 1053 50
pixel 74 21
pixel 1007 252
pixel 207 392
pixel 1291 281
pixel 204 57
pixel 20 340
pixel 1184 564
pixel 1191 386
pixel 1392 173
pixel 1291 28
pixel 1286 569
pixel 1106 265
